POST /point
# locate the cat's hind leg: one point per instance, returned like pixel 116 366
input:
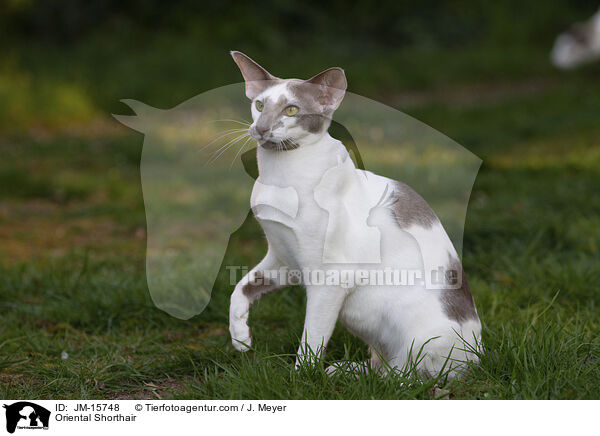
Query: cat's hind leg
pixel 448 358
pixel 258 282
pixel 442 354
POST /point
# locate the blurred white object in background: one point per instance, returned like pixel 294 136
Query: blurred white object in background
pixel 578 45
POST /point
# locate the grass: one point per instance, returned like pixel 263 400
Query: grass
pixel 72 227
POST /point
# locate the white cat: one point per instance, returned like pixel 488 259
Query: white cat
pixel 322 215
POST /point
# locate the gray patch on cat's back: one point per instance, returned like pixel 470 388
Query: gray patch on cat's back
pixel 410 208
pixel 458 304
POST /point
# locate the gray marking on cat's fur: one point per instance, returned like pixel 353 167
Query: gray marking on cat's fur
pixel 410 208
pixel 310 119
pixel 270 119
pixel 317 97
pixel 458 304
pixel 582 33
pixel 258 286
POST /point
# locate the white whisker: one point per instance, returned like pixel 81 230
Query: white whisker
pixel 244 122
pixel 225 148
pixel 229 142
pixel 226 133
pixel 240 151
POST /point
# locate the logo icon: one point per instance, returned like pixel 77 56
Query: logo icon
pixel 26 415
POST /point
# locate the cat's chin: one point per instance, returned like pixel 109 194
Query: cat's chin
pixel 279 146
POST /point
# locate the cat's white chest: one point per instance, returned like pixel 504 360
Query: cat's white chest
pixel 274 203
pixel 292 221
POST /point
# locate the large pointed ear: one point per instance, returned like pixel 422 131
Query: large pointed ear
pixel 256 77
pixel 330 87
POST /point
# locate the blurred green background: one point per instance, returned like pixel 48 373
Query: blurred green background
pixel 70 61
pixel 72 224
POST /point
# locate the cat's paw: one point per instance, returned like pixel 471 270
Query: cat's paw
pixel 241 337
pixel 239 310
pixel 243 344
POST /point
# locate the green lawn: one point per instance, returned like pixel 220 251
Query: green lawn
pixel 72 241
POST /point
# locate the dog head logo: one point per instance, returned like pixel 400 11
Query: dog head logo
pixel 26 415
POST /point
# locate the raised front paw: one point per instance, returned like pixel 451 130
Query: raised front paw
pixel 238 322
pixel 241 337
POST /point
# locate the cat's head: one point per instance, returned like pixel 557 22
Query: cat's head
pixel 290 113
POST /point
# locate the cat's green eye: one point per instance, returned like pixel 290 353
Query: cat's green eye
pixel 259 105
pixel 290 111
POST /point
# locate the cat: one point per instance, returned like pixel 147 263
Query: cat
pixel 320 213
pixel 578 45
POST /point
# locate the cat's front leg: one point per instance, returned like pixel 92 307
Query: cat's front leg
pixel 261 280
pixel 323 305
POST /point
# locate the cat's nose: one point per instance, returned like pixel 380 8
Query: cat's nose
pixel 261 131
